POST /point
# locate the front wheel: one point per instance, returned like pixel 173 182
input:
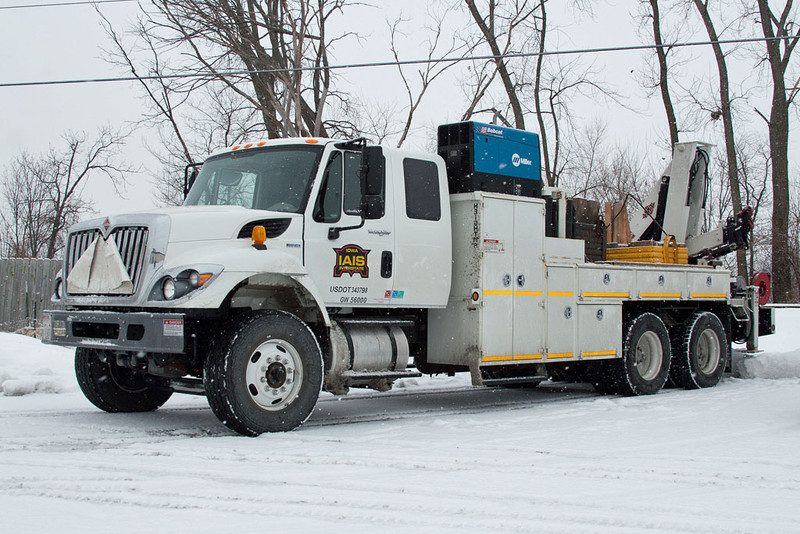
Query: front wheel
pixel 701 352
pixel 113 388
pixel 644 366
pixel 265 374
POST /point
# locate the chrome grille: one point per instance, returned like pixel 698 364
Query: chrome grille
pixel 131 243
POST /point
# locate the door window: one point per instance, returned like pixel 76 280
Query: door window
pixel 422 190
pixel 328 208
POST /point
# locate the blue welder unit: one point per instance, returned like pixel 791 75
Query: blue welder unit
pixel 485 157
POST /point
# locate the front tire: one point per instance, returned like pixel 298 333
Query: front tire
pixel 113 388
pixel 701 352
pixel 644 366
pixel 265 374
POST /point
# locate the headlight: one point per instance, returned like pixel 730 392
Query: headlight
pixel 168 288
pixel 58 288
pixel 174 285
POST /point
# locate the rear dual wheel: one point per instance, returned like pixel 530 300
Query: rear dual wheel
pixel 700 352
pixel 644 366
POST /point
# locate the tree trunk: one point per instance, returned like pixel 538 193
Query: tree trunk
pixel 727 123
pixel 663 84
pixel 548 172
pixel 502 69
pixel 783 287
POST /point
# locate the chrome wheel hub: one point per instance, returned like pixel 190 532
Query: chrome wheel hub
pixel 274 375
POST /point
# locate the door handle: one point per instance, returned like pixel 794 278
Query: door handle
pixel 386 264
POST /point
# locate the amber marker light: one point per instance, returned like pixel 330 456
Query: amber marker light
pixel 259 236
pixel 312 141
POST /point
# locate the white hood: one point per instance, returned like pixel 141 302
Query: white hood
pixel 204 223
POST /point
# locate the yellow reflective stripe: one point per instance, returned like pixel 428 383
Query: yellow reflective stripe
pixel 560 294
pixel 708 295
pixel 496 358
pixel 509 292
pixel 660 295
pixel 600 353
pixel 596 294
pixel 528 357
pixel 561 355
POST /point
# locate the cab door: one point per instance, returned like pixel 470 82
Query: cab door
pixel 350 262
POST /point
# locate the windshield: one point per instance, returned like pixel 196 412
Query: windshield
pixel 275 178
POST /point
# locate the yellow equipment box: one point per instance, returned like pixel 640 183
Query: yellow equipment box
pixel 650 252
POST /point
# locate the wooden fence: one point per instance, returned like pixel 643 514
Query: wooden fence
pixel 26 286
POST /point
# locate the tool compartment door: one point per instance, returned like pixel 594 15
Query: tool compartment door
pixel 561 312
pixel 497 253
pixel 528 281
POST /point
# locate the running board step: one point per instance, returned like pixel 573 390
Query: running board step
pixel 513 380
pixel 376 375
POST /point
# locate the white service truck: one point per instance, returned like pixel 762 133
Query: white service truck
pixel 304 265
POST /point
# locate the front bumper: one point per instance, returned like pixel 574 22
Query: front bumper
pixel 141 331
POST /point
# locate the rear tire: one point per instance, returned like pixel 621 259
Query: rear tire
pixel 701 352
pixel 644 366
pixel 264 374
pixel 113 388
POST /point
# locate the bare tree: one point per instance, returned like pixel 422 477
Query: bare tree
pixel 780 24
pixel 431 70
pixel 726 112
pixel 497 24
pixel 281 46
pixel 617 173
pixel 654 14
pixel 43 194
pixel 531 84
pixel 23 234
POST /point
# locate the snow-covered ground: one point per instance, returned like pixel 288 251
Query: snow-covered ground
pixel 434 455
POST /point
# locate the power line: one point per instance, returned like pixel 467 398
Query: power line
pixel 60 4
pixel 393 63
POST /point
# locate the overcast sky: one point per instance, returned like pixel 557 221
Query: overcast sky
pixel 65 43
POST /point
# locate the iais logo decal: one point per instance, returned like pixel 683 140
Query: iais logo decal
pixel 517 160
pixel 351 259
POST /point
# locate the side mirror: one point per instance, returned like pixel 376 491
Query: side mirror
pixel 188 179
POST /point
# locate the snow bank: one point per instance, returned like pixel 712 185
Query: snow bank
pixel 770 365
pixel 780 356
pixel 28 366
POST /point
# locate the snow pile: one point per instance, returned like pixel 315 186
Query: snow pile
pixel 771 365
pixel 780 356
pixel 28 366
